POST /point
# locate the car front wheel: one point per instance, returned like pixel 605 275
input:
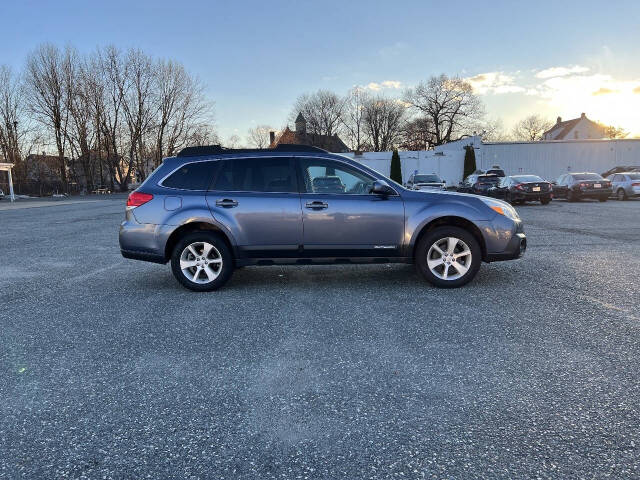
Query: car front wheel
pixel 448 257
pixel 202 261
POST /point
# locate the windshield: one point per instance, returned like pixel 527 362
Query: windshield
pixel 527 178
pixel 587 176
pixel 427 179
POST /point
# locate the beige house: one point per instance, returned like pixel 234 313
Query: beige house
pixel 576 129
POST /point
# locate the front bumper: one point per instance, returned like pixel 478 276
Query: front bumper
pixel 516 248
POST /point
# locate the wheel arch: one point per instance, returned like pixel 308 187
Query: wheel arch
pixel 453 221
pixel 191 227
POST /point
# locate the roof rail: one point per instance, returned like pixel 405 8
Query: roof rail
pixel 219 150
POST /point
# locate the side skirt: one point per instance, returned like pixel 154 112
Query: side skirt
pixel 242 262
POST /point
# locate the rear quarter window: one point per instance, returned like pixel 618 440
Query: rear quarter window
pixel 191 176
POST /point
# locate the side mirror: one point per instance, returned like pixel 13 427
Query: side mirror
pixel 380 187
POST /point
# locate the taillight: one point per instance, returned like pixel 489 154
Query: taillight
pixel 635 184
pixel 136 199
pixel 583 185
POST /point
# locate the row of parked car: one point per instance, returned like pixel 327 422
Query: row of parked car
pixel 532 188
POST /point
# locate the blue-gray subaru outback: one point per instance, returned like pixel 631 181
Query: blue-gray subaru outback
pixel 209 210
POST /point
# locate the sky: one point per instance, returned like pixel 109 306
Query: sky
pixel 256 57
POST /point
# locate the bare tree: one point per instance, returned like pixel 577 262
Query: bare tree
pixel 11 110
pixel 322 110
pixel 531 128
pixel 612 131
pixel 258 136
pixel 353 117
pixel 233 141
pixel 45 86
pixel 182 108
pixel 383 121
pixel 450 105
pixel 493 131
pixel 417 134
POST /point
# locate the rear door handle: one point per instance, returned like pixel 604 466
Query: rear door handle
pixel 226 203
pixel 316 205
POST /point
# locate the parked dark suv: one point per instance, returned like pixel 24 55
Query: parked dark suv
pixel 210 209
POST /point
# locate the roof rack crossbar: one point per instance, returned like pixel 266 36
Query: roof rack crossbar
pixel 220 150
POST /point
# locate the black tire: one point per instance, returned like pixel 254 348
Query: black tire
pixel 226 268
pixel 602 199
pixel 545 201
pixel 621 194
pixel 571 197
pixel 440 233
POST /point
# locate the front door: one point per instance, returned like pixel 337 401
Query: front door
pixel 257 200
pixel 339 215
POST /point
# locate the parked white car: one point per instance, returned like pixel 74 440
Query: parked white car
pixel 421 181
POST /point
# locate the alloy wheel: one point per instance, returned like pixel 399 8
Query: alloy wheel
pixel 449 258
pixel 201 262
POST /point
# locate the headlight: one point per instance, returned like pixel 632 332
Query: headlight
pixel 503 208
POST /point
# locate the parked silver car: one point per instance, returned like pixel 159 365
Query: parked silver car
pixel 210 209
pixel 625 185
pixel 423 181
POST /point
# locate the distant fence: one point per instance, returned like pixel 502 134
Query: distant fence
pixel 39 189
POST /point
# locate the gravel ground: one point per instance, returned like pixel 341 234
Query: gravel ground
pixel 109 369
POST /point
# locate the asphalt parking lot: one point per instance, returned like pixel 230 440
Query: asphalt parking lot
pixel 109 369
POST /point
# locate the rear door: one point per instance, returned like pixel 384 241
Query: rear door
pixel 257 200
pixel 339 215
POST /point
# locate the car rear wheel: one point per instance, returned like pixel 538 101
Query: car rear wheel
pixel 545 200
pixel 448 257
pixel 621 194
pixel 202 261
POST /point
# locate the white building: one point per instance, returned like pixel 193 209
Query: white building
pixel 548 159
pixel 576 129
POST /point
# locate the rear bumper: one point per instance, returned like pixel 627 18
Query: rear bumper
pixel 531 195
pixel 604 192
pixel 139 241
pixel 144 256
pixel 516 248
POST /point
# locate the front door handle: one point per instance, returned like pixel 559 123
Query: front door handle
pixel 316 205
pixel 226 203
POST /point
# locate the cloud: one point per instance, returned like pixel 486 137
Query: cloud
pixel 603 91
pixel 392 84
pixel 601 96
pixel 561 71
pixel 494 82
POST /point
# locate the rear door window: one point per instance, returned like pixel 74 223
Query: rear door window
pixel 191 176
pixel 275 175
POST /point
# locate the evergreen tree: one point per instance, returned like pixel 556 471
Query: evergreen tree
pixel 396 169
pixel 469 161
